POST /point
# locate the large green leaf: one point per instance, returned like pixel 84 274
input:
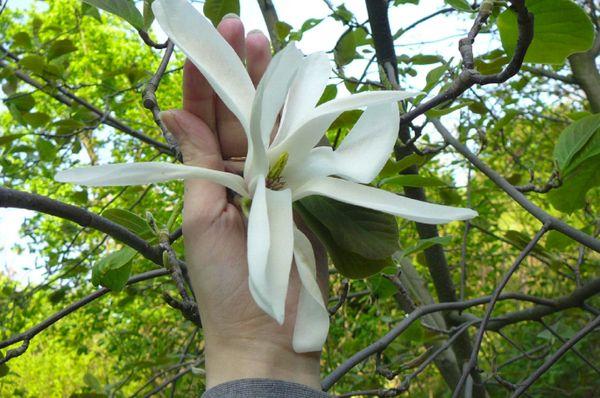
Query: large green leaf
pixel 561 28
pixel 573 139
pixel 131 221
pixel 125 9
pixel 570 196
pixel 113 270
pixel 215 10
pixel 370 233
pixel 424 244
pixel 348 263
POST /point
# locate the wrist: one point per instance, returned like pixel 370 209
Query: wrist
pixel 240 358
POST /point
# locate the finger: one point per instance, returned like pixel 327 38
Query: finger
pixel 258 55
pixel 200 148
pixel 198 95
pixel 231 134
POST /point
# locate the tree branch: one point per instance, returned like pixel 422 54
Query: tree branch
pixel 29 334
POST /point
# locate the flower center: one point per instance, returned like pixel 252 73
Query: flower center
pixel 274 179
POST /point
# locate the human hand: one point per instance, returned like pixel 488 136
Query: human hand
pixel 242 341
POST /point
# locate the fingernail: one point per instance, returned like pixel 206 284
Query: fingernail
pixel 255 32
pixel 162 114
pixel 231 15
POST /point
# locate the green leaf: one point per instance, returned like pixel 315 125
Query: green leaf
pixel 412 180
pixel 131 221
pixel 7 139
pixel 113 270
pixel 392 168
pixel 215 10
pixel 22 39
pixel 148 14
pixel 22 102
pixel 90 11
pixel 36 119
pixel 310 23
pixel 282 29
pixel 348 263
pixel 67 126
pixel 328 94
pixel 573 139
pixel 34 63
pixel 434 76
pixel 558 240
pixel 424 59
pixel 424 244
pixel 60 47
pixel 4 367
pixel 560 28
pixel 460 5
pixel 370 233
pixel 345 49
pixel 125 9
pixel 570 196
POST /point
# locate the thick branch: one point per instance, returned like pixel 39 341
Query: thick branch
pixel 85 218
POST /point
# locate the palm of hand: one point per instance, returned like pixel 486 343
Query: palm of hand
pixel 210 136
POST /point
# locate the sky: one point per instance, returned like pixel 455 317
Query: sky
pixel 425 40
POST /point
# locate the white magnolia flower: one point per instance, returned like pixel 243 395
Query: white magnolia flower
pixel 287 169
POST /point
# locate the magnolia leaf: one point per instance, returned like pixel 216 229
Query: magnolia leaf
pixel 570 196
pixel 573 139
pixel 22 102
pixel 370 233
pixel 36 119
pixel 60 47
pixel 558 240
pixel 560 28
pixel 329 93
pixel 348 263
pixel 131 221
pixel 434 76
pixel 424 59
pixel 424 244
pixel 90 11
pixel 345 49
pixel 460 5
pixel 148 14
pixel 34 63
pixel 113 270
pixel 22 39
pixel 215 10
pixel 282 29
pixel 7 139
pixel 125 9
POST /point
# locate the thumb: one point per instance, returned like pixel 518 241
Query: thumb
pixel 197 142
pixel 204 200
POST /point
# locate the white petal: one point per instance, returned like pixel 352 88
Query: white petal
pixel 302 140
pixel 305 92
pixel 378 199
pixel 312 318
pixel 270 249
pixel 361 155
pixel 211 54
pixel 270 95
pixel 122 174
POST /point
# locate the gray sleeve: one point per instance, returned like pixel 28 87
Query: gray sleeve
pixel 263 388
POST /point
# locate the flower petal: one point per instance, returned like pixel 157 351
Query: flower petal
pixel 270 95
pixel 312 318
pixel 306 89
pixel 311 129
pixel 378 199
pixel 270 248
pixel 361 155
pixel 121 174
pixel 211 54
